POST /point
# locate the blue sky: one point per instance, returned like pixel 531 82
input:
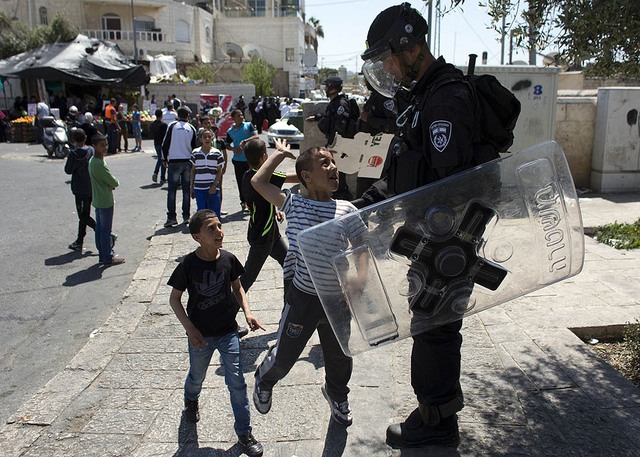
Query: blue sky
pixel 345 23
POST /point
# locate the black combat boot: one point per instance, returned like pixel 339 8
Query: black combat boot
pixel 414 433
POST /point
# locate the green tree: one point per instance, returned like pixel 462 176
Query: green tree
pixel 260 74
pixel 202 72
pixel 315 23
pixel 18 38
pixel 324 73
pixel 604 33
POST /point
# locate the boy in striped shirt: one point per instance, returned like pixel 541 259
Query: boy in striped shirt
pixel 206 172
pixel 303 312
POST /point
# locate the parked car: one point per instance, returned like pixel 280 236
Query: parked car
pixel 288 128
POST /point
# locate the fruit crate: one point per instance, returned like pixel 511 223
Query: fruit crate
pixel 23 133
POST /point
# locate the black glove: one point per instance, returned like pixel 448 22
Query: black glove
pixel 374 194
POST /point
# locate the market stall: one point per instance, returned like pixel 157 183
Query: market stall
pixel 83 61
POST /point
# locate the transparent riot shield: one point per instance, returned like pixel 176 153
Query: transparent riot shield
pixel 448 250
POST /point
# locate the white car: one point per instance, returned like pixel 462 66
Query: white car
pixel 284 129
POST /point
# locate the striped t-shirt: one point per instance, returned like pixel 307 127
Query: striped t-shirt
pixel 206 167
pixel 303 213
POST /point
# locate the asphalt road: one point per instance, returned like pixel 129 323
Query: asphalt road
pixel 52 298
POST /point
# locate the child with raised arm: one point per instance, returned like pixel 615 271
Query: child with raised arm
pixel 211 275
pixel 303 312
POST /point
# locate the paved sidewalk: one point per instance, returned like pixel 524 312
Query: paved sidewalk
pixel 531 386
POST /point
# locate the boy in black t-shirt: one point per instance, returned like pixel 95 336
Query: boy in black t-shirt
pixel 211 275
pixel 263 234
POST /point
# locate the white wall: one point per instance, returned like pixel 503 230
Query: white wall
pixel 616 150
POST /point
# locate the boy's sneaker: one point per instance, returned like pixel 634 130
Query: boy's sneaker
pixel 75 246
pixel 191 411
pixel 171 223
pixel 154 178
pixel 340 411
pixel 252 446
pixel 114 261
pixel 262 399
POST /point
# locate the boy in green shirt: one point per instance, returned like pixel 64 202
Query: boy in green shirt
pixel 102 185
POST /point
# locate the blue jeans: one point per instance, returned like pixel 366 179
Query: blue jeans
pixel 179 175
pixel 104 221
pixel 229 347
pixel 160 165
pixel 205 200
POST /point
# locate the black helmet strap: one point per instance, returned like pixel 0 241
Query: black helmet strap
pixel 412 72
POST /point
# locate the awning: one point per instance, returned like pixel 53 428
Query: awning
pixel 83 61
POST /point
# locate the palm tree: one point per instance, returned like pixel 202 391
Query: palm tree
pixel 315 23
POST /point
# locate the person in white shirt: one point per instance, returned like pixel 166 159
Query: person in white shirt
pixel 177 145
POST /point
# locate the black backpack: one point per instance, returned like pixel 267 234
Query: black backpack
pixel 496 112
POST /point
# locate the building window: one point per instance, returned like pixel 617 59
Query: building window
pixel 183 35
pixel 144 24
pixel 257 7
pixel 290 7
pixel 44 19
pixel 207 33
pixel 111 27
pixel 289 56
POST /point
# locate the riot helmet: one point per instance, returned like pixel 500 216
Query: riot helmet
pixel 73 110
pixel 407 28
pixel 331 84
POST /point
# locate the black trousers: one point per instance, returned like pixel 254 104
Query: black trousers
pixel 302 315
pixel 435 364
pixel 83 208
pixel 240 168
pixel 258 253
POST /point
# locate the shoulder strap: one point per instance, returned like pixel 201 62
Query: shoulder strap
pixel 437 85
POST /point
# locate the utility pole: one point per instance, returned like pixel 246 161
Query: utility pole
pixel 533 32
pixel 135 44
pixel 504 31
pixel 430 15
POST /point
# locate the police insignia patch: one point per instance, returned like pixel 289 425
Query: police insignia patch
pixel 340 110
pixel 294 330
pixel 440 134
pixel 389 105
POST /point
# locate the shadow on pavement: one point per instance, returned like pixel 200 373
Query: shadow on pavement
pixel 188 444
pixel 153 185
pixel 93 273
pixel 335 440
pixel 66 258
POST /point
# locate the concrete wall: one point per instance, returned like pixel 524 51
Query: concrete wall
pixel 616 150
pixel 575 128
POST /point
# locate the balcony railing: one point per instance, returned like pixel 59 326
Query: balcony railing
pixel 126 35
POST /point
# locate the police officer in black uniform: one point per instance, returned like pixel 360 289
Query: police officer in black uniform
pixel 336 120
pixel 435 141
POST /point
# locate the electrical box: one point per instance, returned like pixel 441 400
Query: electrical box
pixel 537 90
